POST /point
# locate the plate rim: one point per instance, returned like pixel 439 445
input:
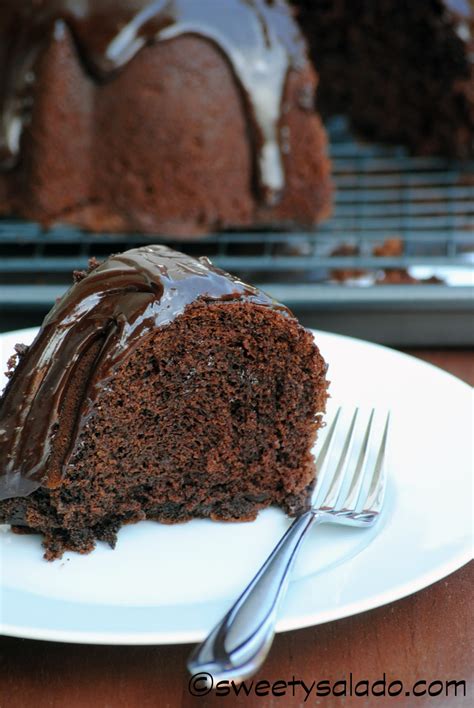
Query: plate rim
pixel 282 626
pixel 182 636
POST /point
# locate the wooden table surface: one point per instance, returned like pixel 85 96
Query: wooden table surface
pixel 427 636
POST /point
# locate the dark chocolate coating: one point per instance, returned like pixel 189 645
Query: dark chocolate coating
pixel 122 300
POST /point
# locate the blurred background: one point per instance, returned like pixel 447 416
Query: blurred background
pixel 91 95
pixel 394 263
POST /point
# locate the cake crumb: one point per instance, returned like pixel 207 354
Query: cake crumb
pixel 78 275
pixel 14 360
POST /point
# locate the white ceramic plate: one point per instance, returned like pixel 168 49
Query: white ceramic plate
pixel 170 584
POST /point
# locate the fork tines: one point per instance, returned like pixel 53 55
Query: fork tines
pixel 350 465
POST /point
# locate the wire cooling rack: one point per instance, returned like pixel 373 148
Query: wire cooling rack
pixel 394 263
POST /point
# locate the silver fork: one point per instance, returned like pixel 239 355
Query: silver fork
pixel 348 492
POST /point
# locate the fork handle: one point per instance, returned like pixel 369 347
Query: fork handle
pixel 239 644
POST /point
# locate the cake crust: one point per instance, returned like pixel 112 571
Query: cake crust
pixel 176 133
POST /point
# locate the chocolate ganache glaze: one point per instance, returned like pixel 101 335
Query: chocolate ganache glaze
pixel 111 308
pixel 259 38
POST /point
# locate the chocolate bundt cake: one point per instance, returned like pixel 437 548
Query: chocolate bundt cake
pixel 158 387
pixel 173 116
pixel 402 71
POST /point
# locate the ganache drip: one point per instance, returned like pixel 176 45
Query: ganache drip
pixel 112 307
pixel 259 38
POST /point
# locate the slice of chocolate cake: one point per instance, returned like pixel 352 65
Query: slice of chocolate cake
pixel 158 387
